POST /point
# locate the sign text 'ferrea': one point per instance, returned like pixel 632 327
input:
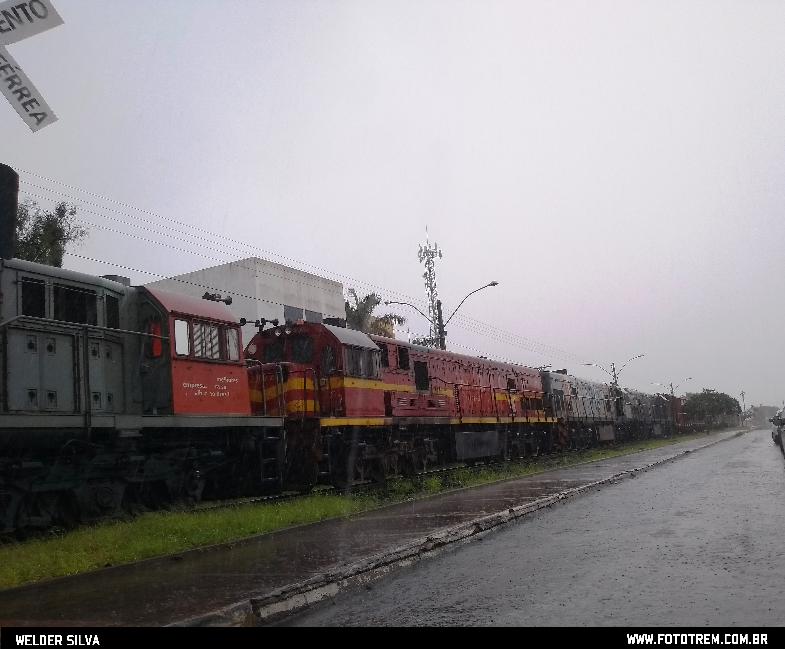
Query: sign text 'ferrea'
pixel 22 94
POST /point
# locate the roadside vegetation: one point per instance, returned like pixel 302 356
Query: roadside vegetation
pixel 157 534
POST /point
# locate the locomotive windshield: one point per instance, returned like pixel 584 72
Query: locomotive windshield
pixel 294 349
pixel 301 349
pixel 273 351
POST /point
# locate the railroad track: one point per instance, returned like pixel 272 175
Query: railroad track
pixel 544 460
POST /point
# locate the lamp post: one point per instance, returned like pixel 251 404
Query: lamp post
pixel 438 304
pixel 672 387
pixel 440 325
pixel 614 374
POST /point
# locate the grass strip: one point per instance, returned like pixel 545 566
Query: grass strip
pixel 158 534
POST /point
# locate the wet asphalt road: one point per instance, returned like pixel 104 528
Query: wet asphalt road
pixel 173 590
pixel 699 541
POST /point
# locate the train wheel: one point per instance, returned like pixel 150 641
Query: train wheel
pixel 23 517
pixel 408 465
pixel 378 472
pixel 33 512
pixel 193 486
pixel 155 495
pixel 67 514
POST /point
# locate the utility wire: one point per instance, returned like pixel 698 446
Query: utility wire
pixel 470 324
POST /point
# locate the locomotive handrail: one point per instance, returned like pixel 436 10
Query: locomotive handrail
pixel 264 392
pixel 316 399
pixel 78 326
pixel 281 399
pixel 305 371
pixel 495 404
pixel 279 385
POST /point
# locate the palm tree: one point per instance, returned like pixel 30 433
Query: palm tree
pixel 360 316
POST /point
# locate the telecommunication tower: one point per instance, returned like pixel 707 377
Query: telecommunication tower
pixel 427 255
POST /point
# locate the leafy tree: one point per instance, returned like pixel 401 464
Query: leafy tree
pixel 360 316
pixel 711 406
pixel 42 236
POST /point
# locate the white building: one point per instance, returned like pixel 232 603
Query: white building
pixel 263 289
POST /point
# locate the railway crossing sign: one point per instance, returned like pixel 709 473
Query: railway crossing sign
pixel 20 19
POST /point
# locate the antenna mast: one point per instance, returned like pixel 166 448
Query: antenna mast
pixel 427 255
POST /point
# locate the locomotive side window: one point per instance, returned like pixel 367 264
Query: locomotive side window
pixel 374 362
pixel 421 375
pixel 182 341
pixel 385 357
pixel 112 312
pixel 154 346
pixel 302 349
pixel 75 305
pixel 354 361
pixel 328 360
pixel 361 362
pixel 403 358
pixel 206 342
pixel 33 297
pixel 233 344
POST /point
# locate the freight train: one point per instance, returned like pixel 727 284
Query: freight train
pixel 115 397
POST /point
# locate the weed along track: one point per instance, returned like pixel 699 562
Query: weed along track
pixel 160 533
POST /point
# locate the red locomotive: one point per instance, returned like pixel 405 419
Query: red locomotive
pixel 360 406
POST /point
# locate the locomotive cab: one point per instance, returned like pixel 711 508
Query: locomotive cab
pixel 192 362
pixel 313 370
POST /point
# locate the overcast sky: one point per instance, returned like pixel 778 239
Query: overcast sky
pixel 618 167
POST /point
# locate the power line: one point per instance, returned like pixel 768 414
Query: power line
pixel 469 324
pixel 296 263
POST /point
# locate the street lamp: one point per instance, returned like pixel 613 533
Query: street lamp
pixel 672 387
pixel 614 373
pixel 440 324
pixel 431 340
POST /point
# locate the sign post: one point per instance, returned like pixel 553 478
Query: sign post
pixel 19 20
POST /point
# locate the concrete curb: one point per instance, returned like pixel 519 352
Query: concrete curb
pixel 294 597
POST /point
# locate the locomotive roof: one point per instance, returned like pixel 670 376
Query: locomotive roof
pixel 464 357
pixel 189 305
pixel 351 337
pixel 63 273
pixel 560 376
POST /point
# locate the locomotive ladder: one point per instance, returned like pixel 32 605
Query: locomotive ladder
pixel 271 458
pixel 457 396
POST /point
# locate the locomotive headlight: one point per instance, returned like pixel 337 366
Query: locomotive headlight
pixel 277 332
pixel 288 330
